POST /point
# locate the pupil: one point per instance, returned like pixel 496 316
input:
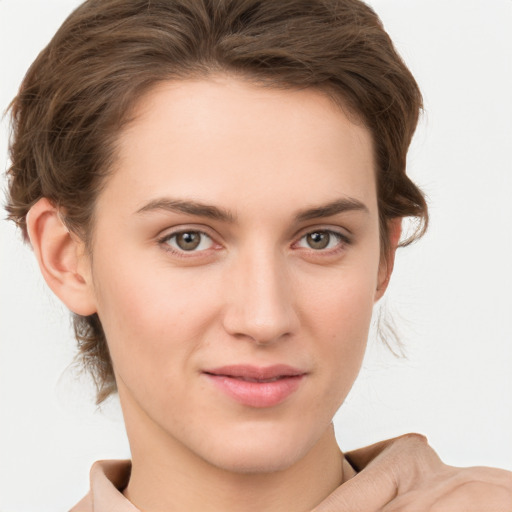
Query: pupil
pixel 318 240
pixel 188 241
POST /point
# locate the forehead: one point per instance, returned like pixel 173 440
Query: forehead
pixel 205 139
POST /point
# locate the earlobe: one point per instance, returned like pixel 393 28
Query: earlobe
pixel 387 262
pixel 61 258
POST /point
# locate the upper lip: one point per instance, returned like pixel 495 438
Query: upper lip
pixel 244 371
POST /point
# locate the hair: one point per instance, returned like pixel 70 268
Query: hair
pixel 81 90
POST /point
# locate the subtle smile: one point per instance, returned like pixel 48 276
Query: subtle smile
pixel 257 386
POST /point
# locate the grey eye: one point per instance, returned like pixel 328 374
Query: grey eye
pixel 318 239
pixel 322 239
pixel 188 241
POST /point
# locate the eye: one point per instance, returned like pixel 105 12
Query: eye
pixel 188 241
pixel 322 240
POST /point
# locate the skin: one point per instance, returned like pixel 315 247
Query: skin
pixel 405 474
pixel 255 294
pixel 254 291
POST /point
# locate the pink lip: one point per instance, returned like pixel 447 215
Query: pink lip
pixel 257 386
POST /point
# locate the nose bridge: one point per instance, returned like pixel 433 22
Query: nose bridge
pixel 260 305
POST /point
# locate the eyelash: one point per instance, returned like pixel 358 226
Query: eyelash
pixel 164 243
pixel 342 242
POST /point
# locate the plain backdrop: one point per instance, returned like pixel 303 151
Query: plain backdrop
pixel 450 295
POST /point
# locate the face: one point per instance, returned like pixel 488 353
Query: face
pixel 235 266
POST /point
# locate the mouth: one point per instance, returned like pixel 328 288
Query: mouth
pixel 256 386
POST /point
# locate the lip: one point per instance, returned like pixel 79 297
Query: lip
pixel 256 386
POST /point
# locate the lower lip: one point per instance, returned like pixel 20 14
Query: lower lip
pixel 257 394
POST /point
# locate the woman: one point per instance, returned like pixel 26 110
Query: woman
pixel 218 200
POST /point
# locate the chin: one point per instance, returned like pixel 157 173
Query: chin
pixel 254 462
pixel 262 452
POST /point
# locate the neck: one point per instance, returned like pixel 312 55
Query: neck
pixel 166 475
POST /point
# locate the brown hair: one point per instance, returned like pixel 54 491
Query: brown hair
pixel 80 91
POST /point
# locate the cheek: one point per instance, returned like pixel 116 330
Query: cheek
pixel 340 317
pixel 341 303
pixel 347 323
pixel 151 317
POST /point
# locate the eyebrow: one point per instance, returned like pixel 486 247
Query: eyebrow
pixel 345 204
pixel 214 212
pixel 188 207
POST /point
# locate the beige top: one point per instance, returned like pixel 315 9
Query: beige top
pixel 108 480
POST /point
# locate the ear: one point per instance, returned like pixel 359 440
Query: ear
pixel 61 257
pixel 388 260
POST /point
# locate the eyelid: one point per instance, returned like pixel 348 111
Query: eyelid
pixel 167 234
pixel 183 228
pixel 340 233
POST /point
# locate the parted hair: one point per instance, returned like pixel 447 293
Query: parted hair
pixel 81 91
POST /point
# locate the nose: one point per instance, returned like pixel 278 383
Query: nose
pixel 259 299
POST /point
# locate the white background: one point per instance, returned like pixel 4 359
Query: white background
pixel 450 295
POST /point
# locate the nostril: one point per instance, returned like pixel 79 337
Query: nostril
pixel 260 305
